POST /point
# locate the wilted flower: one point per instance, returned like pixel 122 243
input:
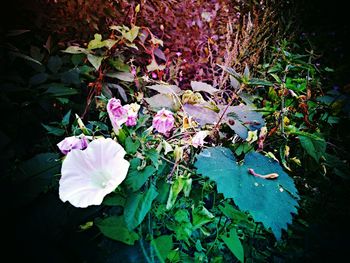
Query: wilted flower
pixel 132 110
pixel 198 138
pixel 117 113
pixel 163 122
pixel 70 143
pixel 89 175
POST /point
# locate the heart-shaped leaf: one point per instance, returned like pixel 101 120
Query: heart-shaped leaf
pixel 268 201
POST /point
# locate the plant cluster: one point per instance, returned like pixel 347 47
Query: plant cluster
pixel 194 172
pixel 200 172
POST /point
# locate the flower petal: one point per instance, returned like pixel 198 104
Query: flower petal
pixel 89 175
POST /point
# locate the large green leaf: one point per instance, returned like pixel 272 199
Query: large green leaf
pixel 35 175
pixel 234 244
pixel 268 201
pixel 138 205
pixel 114 227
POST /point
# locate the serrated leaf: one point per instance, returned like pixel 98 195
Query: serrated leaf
pixel 163 246
pixel 114 227
pixel 234 244
pixel 312 144
pixel 137 178
pixel 138 205
pixel 201 86
pixel 268 201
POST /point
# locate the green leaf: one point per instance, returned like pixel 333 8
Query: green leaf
pixel 34 176
pixel 38 79
pixel 114 227
pixel 114 199
pixel 130 146
pixel 60 90
pixel 65 120
pixel 119 65
pixel 154 66
pixel 268 201
pixel 181 183
pixel 153 155
pixel 137 178
pixel 131 34
pixel 54 64
pixel 53 130
pixel 137 206
pixel 201 216
pixel 76 50
pixel 236 215
pixel 234 244
pixel 182 227
pixel 259 82
pixel 96 42
pixel 95 61
pixel 163 246
pixel 315 146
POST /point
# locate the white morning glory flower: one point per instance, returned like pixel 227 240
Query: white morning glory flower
pixel 89 175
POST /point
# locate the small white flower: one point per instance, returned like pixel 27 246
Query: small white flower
pixel 89 175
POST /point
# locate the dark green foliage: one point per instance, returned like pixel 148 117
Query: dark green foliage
pixel 268 201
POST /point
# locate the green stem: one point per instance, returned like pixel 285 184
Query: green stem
pixel 143 247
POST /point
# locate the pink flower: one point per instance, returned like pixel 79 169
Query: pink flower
pixel 117 113
pixel 133 110
pixel 70 143
pixel 198 138
pixel 163 122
